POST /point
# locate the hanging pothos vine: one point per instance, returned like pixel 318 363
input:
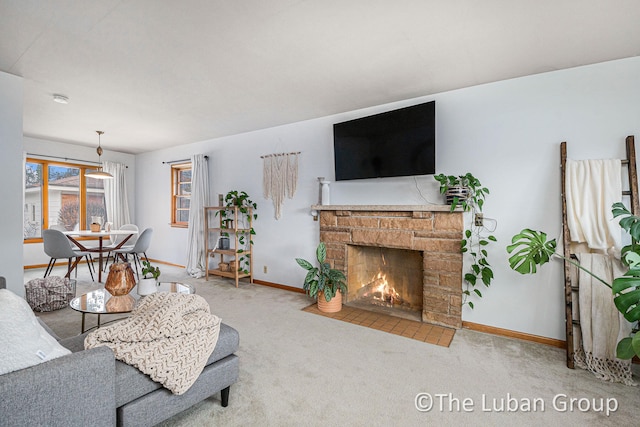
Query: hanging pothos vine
pixel 467 191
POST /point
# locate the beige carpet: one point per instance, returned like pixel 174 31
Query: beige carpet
pixel 302 369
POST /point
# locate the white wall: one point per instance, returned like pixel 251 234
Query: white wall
pixel 33 252
pixel 506 133
pixel 11 194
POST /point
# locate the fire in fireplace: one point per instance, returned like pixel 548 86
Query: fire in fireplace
pixel 385 279
pixel 378 292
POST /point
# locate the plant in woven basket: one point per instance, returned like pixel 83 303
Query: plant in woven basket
pixel 468 192
pixel 530 249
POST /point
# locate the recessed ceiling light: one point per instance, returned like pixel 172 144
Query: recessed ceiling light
pixel 60 99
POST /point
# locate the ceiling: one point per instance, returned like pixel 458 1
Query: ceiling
pixel 153 74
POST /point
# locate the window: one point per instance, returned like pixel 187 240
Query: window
pixel 55 195
pixel 180 194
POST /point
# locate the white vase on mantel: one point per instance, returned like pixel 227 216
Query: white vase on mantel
pixel 326 192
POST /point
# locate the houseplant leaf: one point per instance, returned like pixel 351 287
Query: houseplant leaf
pixel 531 249
pixel 624 349
pixel 304 264
pixel 626 291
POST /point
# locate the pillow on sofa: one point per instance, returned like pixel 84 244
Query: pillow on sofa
pixel 24 341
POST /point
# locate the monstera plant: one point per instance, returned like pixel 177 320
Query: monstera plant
pixel 531 249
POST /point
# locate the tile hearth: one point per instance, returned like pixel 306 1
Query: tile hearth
pixel 425 332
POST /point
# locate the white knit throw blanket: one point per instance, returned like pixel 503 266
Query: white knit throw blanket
pixel 169 336
pixel 592 186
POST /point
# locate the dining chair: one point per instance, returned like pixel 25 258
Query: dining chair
pixel 63 228
pixel 56 246
pixel 140 247
pixel 115 240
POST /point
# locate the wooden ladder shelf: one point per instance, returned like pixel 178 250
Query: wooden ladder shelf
pixel 572 315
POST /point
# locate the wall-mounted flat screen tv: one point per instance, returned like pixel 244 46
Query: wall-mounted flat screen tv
pixel 395 143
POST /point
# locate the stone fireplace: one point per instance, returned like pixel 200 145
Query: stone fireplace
pixel 427 233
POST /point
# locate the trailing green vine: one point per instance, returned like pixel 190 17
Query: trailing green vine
pixel 467 191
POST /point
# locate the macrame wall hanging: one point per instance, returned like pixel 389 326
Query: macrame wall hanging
pixel 279 178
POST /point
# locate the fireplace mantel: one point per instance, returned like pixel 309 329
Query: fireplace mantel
pixel 385 208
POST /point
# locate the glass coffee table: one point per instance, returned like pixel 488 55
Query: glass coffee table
pixel 101 301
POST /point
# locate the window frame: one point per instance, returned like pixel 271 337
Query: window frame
pixel 82 189
pixel 176 170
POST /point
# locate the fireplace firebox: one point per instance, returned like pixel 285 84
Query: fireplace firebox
pixel 385 279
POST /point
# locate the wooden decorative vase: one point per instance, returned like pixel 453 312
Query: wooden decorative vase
pixel 121 279
pixel 333 306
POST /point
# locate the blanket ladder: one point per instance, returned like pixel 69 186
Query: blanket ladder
pixel 572 316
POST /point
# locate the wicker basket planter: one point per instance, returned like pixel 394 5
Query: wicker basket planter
pixel 462 193
pixel 332 306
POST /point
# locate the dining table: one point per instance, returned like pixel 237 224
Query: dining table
pixel 101 248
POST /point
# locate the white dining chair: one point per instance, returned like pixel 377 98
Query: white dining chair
pixel 56 246
pixel 61 227
pixel 141 246
pixel 117 238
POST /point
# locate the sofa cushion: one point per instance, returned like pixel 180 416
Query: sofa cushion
pixel 131 383
pixel 74 343
pixel 24 341
pixel 228 342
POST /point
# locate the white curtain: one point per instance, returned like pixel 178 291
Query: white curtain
pixel 196 258
pixel 115 195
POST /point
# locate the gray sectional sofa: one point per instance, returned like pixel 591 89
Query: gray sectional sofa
pixel 90 387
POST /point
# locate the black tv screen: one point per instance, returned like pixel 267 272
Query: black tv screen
pixel 395 143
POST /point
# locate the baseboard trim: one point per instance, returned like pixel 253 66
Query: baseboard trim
pixel 278 286
pixel 157 261
pixel 514 334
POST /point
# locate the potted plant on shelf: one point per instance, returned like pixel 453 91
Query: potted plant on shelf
pixel 149 282
pixel 241 200
pixel 324 283
pixel 468 192
pixel 530 249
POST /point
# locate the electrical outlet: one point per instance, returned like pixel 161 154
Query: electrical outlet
pixel 220 200
pixel 265 269
pixel 479 220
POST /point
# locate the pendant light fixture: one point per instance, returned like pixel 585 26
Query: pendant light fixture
pixel 98 173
